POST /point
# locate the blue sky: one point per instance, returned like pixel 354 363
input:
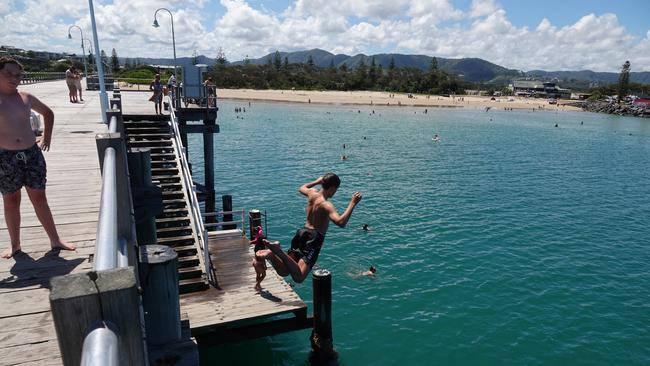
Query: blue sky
pixel 550 35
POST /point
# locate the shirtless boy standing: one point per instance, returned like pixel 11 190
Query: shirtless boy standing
pixel 21 159
pixel 306 244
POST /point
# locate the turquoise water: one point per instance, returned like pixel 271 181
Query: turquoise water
pixel 508 242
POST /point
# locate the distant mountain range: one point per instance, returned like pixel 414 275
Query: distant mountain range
pixel 470 69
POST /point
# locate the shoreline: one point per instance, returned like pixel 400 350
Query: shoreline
pixel 373 98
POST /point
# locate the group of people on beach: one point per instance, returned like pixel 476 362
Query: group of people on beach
pixel 22 163
pixel 73 81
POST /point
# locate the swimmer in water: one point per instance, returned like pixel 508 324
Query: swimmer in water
pixel 370 272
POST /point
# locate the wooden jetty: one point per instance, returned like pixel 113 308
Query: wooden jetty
pixel 227 311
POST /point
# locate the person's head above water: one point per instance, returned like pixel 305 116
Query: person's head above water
pixel 372 269
pixel 330 184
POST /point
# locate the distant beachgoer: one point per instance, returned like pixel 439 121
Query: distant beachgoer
pixel 344 157
pixel 436 138
pixel 344 146
pixel 370 272
pixel 21 157
pixel 365 227
pixel 556 125
pixel 69 80
pixel 582 123
pixel 209 85
pixel 307 243
pixel 259 263
pixel 157 88
pixel 77 84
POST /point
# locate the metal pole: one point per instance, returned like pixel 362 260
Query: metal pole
pixel 173 36
pixel 100 348
pixel 83 50
pixel 106 239
pixel 103 97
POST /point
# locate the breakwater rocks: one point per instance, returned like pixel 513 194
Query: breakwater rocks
pixel 615 108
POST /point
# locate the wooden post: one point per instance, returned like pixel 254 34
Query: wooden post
pixel 322 347
pixel 226 200
pixel 159 281
pixel 140 169
pixel 79 300
pixel 208 157
pixel 254 220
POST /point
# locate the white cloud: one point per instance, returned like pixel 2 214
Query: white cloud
pixel 433 27
pixel 482 8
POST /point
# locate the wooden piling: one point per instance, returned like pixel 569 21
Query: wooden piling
pixel 159 281
pixel 226 201
pixel 145 219
pixel 254 220
pixel 79 300
pixel 322 347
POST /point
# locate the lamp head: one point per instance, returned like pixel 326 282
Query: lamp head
pixel 155 23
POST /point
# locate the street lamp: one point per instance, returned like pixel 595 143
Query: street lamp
pixel 156 25
pixel 83 49
pixel 90 51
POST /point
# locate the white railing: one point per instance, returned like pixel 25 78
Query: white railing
pixel 186 176
pixel 241 222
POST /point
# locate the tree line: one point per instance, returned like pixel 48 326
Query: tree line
pixel 278 73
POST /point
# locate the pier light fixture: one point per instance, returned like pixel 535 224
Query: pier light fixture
pixel 156 25
pixel 83 49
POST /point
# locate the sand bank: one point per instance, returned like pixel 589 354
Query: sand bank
pixel 392 99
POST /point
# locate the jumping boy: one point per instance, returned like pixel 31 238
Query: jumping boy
pixel 21 159
pixel 306 244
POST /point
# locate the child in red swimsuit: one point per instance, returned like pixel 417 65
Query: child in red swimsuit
pixel 259 263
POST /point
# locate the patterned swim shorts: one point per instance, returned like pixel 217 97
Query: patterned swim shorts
pixel 20 168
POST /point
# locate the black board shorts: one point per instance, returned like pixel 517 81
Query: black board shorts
pixel 306 245
pixel 20 168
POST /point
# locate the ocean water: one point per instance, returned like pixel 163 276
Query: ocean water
pixel 508 242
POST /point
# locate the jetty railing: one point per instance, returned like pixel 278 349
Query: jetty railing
pixel 221 224
pixel 31 77
pixel 110 327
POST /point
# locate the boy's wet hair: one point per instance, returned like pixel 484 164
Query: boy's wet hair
pixel 330 180
pixel 8 60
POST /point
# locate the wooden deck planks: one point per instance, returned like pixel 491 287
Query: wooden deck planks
pixel 237 299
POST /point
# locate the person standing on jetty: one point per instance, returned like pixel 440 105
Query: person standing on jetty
pixel 157 88
pixel 70 76
pixel 259 264
pixel 21 160
pixel 306 244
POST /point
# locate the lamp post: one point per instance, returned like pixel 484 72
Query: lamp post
pixel 83 49
pixel 156 25
pixel 103 97
pixel 90 51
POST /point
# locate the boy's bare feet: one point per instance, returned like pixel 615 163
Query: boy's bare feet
pixel 274 246
pixel 63 245
pixel 8 253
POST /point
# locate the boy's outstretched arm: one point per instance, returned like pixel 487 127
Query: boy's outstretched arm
pixel 342 220
pixel 48 119
pixel 307 187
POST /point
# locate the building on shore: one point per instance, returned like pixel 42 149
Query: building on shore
pixel 538 89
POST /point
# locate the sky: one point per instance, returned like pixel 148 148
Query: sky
pixel 526 35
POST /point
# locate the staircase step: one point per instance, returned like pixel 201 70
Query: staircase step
pixel 192 285
pixel 175 240
pixel 185 250
pixel 188 261
pixel 171 219
pixel 150 136
pixel 189 272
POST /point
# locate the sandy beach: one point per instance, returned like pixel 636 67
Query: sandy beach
pixel 391 99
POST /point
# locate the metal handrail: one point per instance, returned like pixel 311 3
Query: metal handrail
pixel 106 238
pixel 241 212
pixel 186 175
pixel 100 348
